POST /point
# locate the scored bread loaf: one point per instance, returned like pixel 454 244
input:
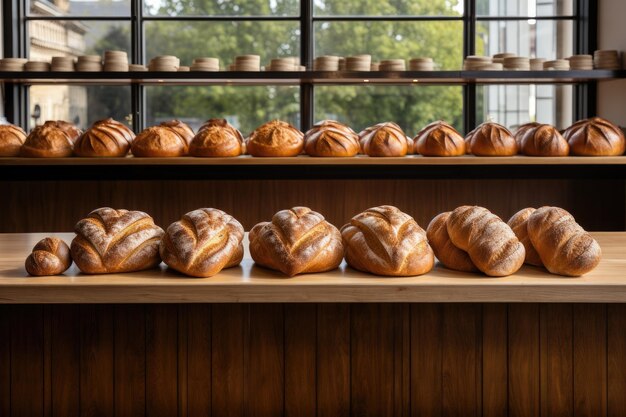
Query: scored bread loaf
pixel 521 131
pixel 53 139
pixel 543 140
pixel 296 241
pixel 439 139
pixel 445 251
pixel 110 241
pixel 519 224
pixel 168 139
pixel 202 243
pixel 595 137
pixel 564 246
pixel 491 139
pixel 69 128
pixel 490 242
pixel 11 140
pixel 330 138
pixel 385 241
pixel 50 256
pixel 384 139
pixel 105 138
pixel 217 138
pixel 275 138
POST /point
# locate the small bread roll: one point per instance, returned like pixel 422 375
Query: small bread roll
pixel 439 139
pixel 519 224
pixel 330 138
pixel 165 140
pixel 385 241
pixel 564 246
pixel 50 256
pixel 492 139
pixel 595 137
pixel 11 140
pixel 384 139
pixel 543 140
pixel 445 251
pixel 521 131
pixel 217 138
pixel 105 138
pixel 275 138
pixel 296 241
pixel 202 243
pixel 53 139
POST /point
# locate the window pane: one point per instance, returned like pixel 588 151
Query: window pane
pixel 513 105
pixel 442 41
pixel 245 107
pixel 531 38
pixel 81 105
pixel 524 7
pixel 388 7
pixel 222 8
pixel 224 40
pixel 79 8
pixel 412 107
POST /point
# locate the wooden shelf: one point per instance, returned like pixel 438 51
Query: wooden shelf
pixel 249 283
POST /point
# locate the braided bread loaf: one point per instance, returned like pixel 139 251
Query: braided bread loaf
pixel 202 243
pixel 50 256
pixel 385 241
pixel 296 241
pixel 331 138
pixel 445 251
pixel 110 240
pixel 11 140
pixel 518 223
pixel 104 138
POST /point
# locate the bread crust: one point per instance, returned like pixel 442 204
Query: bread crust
pixel 491 139
pixel 439 139
pixel 330 138
pixel 595 137
pixel 11 140
pixel 169 139
pixel 519 224
pixel 275 139
pixel 543 140
pixel 53 139
pixel 445 251
pixel 217 138
pixel 384 140
pixel 105 138
pixel 521 131
pixel 50 256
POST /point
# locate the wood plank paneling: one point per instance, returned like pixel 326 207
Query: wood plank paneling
pixel 5 360
pixel 495 365
pixel 199 359
pixel 523 359
pixel 130 360
pixel 616 360
pixel 402 359
pixel 64 366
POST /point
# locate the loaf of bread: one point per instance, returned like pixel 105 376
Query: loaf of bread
pixel 491 139
pixel 73 132
pixel 521 131
pixel 53 139
pixel 595 137
pixel 439 139
pixel 331 138
pixel 445 251
pixel 385 241
pixel 217 138
pixel 165 140
pixel 11 140
pixel 543 140
pixel 564 246
pixel 490 243
pixel 202 243
pixel 275 138
pixel 519 224
pixel 50 256
pixel 111 241
pixel 296 241
pixel 384 139
pixel 105 138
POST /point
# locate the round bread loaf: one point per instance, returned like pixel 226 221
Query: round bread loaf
pixel 105 138
pixel 73 132
pixel 543 140
pixel 217 138
pixel 492 139
pixel 595 137
pixel 50 140
pixel 165 140
pixel 445 251
pixel 439 139
pixel 521 131
pixel 202 243
pixel 111 241
pixel 11 140
pixel 384 139
pixel 50 256
pixel 275 138
pixel 330 138
pixel 296 241
pixel 385 241
pixel 519 224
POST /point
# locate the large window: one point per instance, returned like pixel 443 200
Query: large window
pixel 445 30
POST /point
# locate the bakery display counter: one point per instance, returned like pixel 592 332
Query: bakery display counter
pixel 250 283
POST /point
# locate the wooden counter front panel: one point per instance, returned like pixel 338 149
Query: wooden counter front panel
pixel 313 360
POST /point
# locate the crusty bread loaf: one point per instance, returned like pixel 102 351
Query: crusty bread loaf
pixel 439 139
pixel 110 241
pixel 331 138
pixel 521 131
pixel 564 246
pixel 445 251
pixel 491 139
pixel 385 241
pixel 202 243
pixel 105 138
pixel 543 140
pixel 217 138
pixel 296 241
pixel 384 139
pixel 595 137
pixel 165 140
pixel 69 128
pixel 490 243
pixel 50 256
pixel 275 138
pixel 519 224
pixel 11 140
pixel 50 140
